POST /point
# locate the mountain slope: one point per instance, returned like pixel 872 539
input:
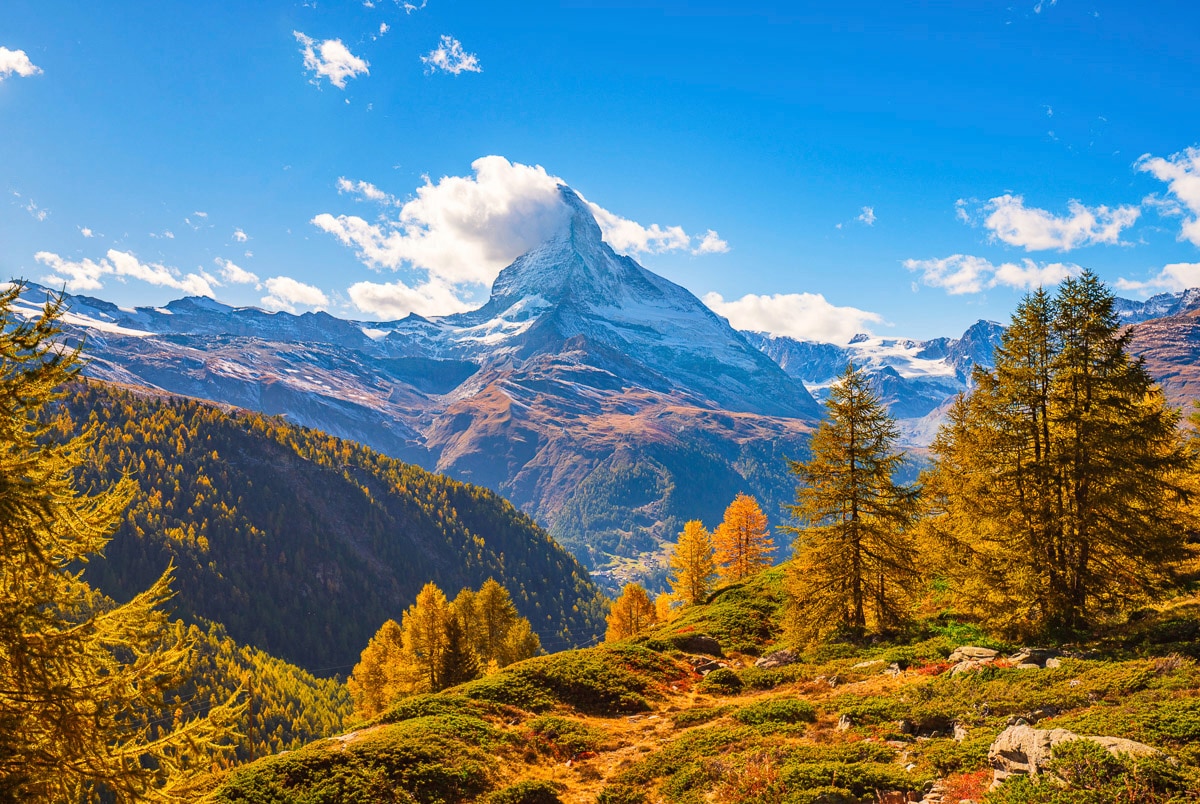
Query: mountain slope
pixel 581 365
pixel 637 721
pixel 303 544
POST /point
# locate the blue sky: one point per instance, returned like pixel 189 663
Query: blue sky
pixel 813 170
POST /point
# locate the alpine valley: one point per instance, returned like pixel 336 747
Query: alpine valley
pixel 608 403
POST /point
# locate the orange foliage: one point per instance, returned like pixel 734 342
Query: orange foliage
pixel 743 546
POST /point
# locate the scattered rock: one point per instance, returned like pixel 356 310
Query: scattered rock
pixel 960 732
pixel 870 663
pixel 965 652
pixel 1053 662
pixel 777 658
pixel 1024 750
pixel 968 665
pixel 845 723
pixel 893 669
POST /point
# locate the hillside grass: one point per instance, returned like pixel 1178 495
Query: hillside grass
pixel 632 722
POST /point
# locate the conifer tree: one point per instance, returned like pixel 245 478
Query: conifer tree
pixel 382 674
pixel 855 562
pixel 82 680
pixel 632 613
pixel 693 564
pixel 425 638
pixel 743 546
pixel 1056 483
pixel 459 662
pixel 497 615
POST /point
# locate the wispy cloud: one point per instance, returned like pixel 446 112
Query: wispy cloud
pixel 962 273
pixel 1008 220
pixel 89 274
pixel 285 293
pixel 240 236
pixel 235 274
pixel 1181 172
pixel 330 59
pixel 1172 278
pixel 804 316
pixel 711 243
pixel 16 62
pixel 392 300
pixel 365 191
pixel 450 57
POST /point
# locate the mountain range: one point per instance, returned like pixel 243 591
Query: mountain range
pixel 606 402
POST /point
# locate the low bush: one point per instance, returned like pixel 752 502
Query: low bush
pixel 782 710
pixel 721 681
pixel 562 737
pixel 527 792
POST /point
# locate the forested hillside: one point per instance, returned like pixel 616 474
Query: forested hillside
pixel 301 544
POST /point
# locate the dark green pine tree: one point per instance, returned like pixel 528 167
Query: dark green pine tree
pixel 855 564
pixel 459 662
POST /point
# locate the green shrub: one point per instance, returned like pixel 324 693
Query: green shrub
pixel 721 681
pixel 822 795
pixel 758 678
pixel 528 792
pixel 782 710
pixel 697 717
pixel 860 778
pixel 564 738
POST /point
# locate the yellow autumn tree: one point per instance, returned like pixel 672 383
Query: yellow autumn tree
pixel 425 637
pixel 382 674
pixel 692 564
pixel 632 613
pixel 743 545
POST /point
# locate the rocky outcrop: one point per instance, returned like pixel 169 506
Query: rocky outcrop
pixel 1024 750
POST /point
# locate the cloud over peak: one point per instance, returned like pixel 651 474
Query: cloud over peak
pixel 456 234
pixel 803 316
pixel 87 274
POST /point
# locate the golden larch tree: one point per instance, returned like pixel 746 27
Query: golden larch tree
pixel 425 637
pixel 692 563
pixel 382 674
pixel 632 613
pixel 83 680
pixel 742 542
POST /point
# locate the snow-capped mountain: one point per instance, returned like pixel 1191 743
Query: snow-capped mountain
pixel 916 379
pixel 606 401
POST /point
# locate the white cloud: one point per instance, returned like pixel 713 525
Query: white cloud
pixel 16 62
pixel 365 191
pixel 963 273
pixel 804 316
pixel 1172 278
pixel 1181 172
pixel 450 57
pixel 1041 4
pixel 331 59
pixel 87 274
pixel 86 232
pixel 463 230
pixel 394 300
pixel 240 236
pixel 200 214
pixel 235 274
pixel 631 237
pixel 285 293
pixel 1010 221
pixel 711 243
pixel 36 212
pixel 867 216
